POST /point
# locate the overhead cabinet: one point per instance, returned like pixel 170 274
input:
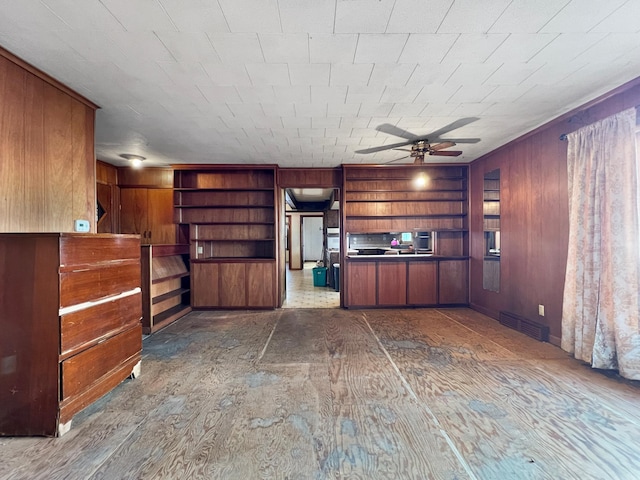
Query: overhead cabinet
pixel 149 213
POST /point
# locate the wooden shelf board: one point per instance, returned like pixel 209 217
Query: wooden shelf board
pixel 171 294
pixel 229 223
pixel 409 200
pixel 262 207
pixel 438 215
pixel 233 239
pixel 224 189
pixel 163 319
pixel 413 190
pixel 170 277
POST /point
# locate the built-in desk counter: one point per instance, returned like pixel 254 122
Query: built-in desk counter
pixel 416 280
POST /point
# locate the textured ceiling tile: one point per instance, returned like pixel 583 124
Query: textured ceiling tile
pixel 474 47
pixel 407 109
pixel 526 16
pixel 471 93
pixel 432 73
pixel 472 16
pixel 602 52
pixel 257 94
pixel 427 48
pixel 278 109
pixel 285 48
pixel 314 16
pixel 93 14
pixel 215 94
pixel 437 108
pixel 196 15
pixel 350 74
pixel 325 122
pixel 566 47
pixel 400 94
pixel 624 19
pixel 362 16
pixel 581 16
pixel 379 48
pixel 512 73
pixel 149 15
pixel 235 48
pixel 311 109
pixel 261 16
pixel 521 47
pixel 472 73
pixel 191 46
pixel 309 74
pixel 332 48
pixel 293 94
pixel 506 93
pixel 362 94
pixel 336 94
pixel 417 16
pixel 375 110
pixel 391 74
pixel 245 109
pixel 436 93
pixel 268 74
pixel 311 132
pixel 343 109
pixel 185 73
pixel 355 122
pixel 227 74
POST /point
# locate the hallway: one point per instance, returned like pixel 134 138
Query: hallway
pixel 301 293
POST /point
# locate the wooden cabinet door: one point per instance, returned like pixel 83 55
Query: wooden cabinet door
pixel 260 284
pixel 392 283
pixel 233 285
pixel 422 287
pixel 133 211
pixel 361 282
pixel 453 282
pixel 160 226
pixel 205 285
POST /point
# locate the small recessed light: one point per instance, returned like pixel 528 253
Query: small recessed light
pixel 136 160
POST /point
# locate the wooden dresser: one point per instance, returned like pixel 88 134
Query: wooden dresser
pixel 70 309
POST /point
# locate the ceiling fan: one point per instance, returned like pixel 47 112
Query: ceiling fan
pixel 423 145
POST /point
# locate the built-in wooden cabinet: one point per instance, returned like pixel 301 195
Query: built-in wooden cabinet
pixel 426 201
pixel 228 216
pixel 70 308
pixel 422 283
pixel 166 286
pixel 149 213
pixel 233 284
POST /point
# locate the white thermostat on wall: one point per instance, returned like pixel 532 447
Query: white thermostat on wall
pixel 82 226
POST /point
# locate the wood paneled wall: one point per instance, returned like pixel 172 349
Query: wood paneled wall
pixel 309 177
pixel 534 215
pixel 47 160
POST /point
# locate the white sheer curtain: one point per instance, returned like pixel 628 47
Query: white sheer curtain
pixel 601 294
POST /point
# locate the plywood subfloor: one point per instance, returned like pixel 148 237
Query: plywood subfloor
pixel 324 394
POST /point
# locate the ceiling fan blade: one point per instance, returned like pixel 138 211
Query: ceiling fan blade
pixel 382 147
pixel 446 153
pixel 442 145
pixel 395 131
pixel 455 140
pixel 404 149
pixel 396 160
pixel 452 126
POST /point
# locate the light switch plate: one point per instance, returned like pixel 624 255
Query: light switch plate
pixel 81 226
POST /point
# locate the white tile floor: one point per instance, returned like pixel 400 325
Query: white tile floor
pixel 302 294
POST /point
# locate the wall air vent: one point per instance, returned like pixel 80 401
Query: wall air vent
pixel 528 327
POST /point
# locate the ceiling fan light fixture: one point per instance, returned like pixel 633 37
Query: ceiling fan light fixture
pixel 420 181
pixel 136 160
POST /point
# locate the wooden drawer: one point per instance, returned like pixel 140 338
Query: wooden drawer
pixel 92 249
pixel 91 284
pixel 88 367
pixel 82 328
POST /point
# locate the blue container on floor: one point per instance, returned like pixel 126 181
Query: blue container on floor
pixel 319 276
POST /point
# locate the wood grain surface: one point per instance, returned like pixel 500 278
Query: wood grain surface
pixel 328 394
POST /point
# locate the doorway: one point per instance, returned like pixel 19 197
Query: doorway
pixel 305 274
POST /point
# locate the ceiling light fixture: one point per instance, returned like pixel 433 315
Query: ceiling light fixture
pixel 421 180
pixel 136 160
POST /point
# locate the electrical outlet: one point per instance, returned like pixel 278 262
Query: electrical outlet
pixel 541 310
pixel 200 250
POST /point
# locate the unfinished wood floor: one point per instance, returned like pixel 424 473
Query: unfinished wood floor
pixel 315 394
